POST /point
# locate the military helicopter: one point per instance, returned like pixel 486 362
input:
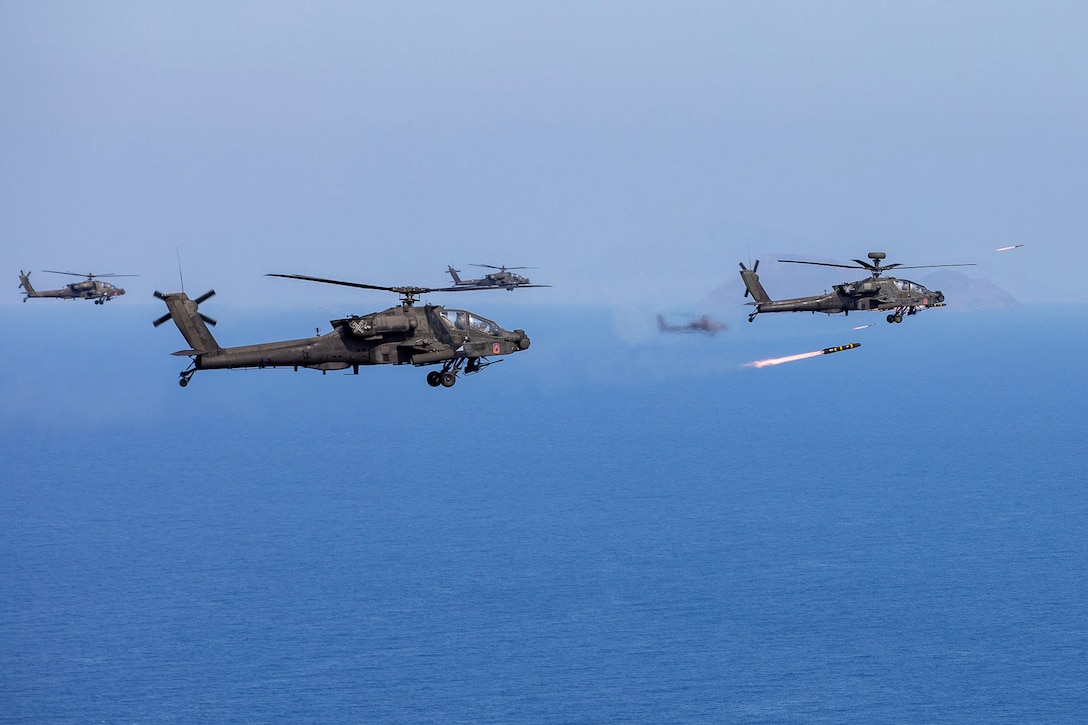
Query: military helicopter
pixel 704 324
pixel 88 289
pixel 899 296
pixel 504 278
pixel 458 340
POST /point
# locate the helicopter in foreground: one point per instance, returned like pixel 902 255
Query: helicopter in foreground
pixel 458 340
pixel 897 296
pixel 88 289
pixel 503 278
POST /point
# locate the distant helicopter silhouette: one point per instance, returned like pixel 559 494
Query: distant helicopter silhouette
pixel 88 289
pixel 705 324
pixel 504 278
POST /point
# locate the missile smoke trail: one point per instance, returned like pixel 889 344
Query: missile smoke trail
pixel 780 360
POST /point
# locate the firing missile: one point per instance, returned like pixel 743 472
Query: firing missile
pixel 1005 249
pixel 800 356
pixel 840 348
pixel 862 327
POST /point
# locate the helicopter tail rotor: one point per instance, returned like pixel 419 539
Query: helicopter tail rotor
pixel 752 285
pixel 755 268
pixel 24 282
pixel 182 298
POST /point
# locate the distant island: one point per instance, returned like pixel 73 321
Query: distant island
pixel 969 294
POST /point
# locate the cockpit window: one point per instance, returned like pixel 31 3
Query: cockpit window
pixel 907 286
pixel 457 319
pixel 465 321
pixel 482 325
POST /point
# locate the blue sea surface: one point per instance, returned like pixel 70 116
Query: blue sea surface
pixel 645 531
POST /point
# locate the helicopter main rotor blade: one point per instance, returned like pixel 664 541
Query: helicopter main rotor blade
pixel 503 269
pixel 89 275
pixel 74 274
pixel 472 288
pixel 930 266
pixel 823 264
pixel 308 278
pixel 407 290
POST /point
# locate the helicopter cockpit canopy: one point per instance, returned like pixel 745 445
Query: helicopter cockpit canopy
pixel 907 286
pixel 465 321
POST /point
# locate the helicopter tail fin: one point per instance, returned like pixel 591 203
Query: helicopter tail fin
pixel 752 283
pixel 453 273
pixel 24 282
pixel 190 321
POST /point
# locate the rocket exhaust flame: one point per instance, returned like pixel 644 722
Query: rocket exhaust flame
pixel 780 360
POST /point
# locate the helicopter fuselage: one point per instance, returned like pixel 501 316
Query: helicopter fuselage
pixel 886 293
pixel 897 296
pixel 398 336
pixel 406 335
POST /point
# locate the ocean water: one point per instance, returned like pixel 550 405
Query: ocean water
pixel 638 531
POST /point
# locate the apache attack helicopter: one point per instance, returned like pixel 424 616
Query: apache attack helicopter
pixel 88 289
pixel 504 278
pixel 459 340
pixel 704 324
pixel 875 293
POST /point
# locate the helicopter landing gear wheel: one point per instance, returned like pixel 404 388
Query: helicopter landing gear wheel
pixel 434 378
pixel 891 319
pixel 898 318
pixel 185 375
pixel 448 379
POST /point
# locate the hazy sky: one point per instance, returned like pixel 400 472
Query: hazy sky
pixel 633 152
